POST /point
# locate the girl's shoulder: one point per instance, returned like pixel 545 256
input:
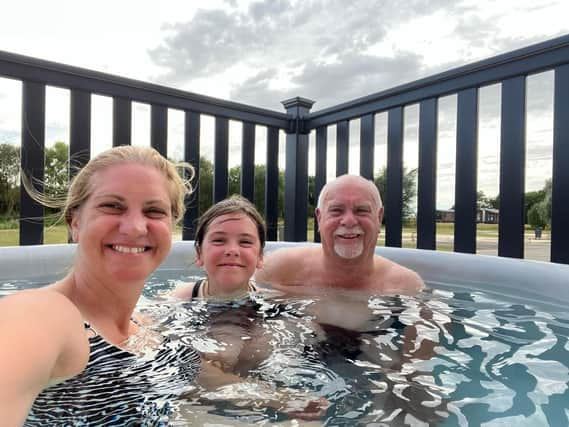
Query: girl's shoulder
pixel 188 291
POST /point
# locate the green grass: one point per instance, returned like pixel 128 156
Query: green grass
pixel 53 234
pixel 9 234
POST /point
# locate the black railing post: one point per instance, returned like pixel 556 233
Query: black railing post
pixel 192 156
pixel 79 130
pixel 367 145
pixel 220 159
pixel 296 174
pixel 394 188
pixel 466 167
pixel 342 147
pixel 247 184
pixel 320 179
pixel 159 129
pixel 560 181
pixel 512 168
pixel 272 183
pixel 122 121
pixel 32 161
pixel 427 181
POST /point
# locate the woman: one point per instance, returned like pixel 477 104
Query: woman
pixel 73 350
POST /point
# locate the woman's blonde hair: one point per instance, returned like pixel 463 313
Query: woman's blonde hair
pixel 178 177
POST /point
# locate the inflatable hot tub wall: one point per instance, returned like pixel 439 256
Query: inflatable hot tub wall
pixel 522 279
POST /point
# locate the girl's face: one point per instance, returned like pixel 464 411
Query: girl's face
pixel 230 253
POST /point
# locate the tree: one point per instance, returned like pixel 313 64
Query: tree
pixel 539 212
pixel 482 201
pixel 56 179
pixel 494 202
pixel 531 199
pixel 409 190
pixel 260 173
pixel 206 184
pixel 9 180
pixel 536 217
pixel 56 175
pixel 259 187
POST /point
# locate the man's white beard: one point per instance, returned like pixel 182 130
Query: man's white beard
pixel 350 250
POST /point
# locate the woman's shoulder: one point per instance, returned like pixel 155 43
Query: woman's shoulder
pixel 49 322
pixel 41 301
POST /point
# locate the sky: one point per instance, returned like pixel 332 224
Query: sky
pixel 262 52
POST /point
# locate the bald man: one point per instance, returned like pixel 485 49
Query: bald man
pixel 349 215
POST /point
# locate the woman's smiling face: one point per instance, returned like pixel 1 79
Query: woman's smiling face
pixel 124 228
pixel 230 253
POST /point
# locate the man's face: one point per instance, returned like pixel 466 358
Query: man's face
pixel 349 219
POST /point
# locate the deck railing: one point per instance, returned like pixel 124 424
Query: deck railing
pixel 510 70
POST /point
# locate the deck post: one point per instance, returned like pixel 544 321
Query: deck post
pixel 296 174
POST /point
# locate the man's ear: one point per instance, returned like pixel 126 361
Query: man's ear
pixel 318 215
pixel 380 215
pixel 260 261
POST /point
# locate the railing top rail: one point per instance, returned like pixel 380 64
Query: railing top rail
pixel 23 67
pixel 531 59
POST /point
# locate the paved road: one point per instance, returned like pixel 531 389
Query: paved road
pixel 539 250
pixel 536 249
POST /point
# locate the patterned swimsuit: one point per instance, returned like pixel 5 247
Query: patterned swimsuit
pixel 119 388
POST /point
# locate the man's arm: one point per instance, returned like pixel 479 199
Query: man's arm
pixel 402 280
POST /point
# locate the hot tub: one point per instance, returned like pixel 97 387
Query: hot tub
pixel 487 343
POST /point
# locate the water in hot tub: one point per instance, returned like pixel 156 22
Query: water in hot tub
pixel 444 357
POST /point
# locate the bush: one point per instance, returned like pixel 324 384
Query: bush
pixel 536 217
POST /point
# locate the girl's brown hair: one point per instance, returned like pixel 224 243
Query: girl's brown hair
pixel 233 204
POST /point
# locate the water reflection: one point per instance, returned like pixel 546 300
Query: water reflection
pixel 443 357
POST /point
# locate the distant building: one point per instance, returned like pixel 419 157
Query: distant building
pixel 488 216
pixel 483 215
pixel 445 215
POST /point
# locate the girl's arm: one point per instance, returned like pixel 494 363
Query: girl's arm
pixel 42 341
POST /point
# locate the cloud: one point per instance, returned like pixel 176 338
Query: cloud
pixel 313 44
pixel 361 74
pixel 334 51
pixel 9 137
pixel 331 51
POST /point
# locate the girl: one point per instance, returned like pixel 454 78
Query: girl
pixel 229 243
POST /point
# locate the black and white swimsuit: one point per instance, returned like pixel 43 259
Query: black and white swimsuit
pixel 119 388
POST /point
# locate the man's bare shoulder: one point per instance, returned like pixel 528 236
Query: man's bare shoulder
pixel 284 256
pixel 398 278
pixel 283 265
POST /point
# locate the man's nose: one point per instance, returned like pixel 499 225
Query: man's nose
pixel 349 219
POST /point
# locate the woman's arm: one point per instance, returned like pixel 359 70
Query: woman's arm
pixel 42 341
